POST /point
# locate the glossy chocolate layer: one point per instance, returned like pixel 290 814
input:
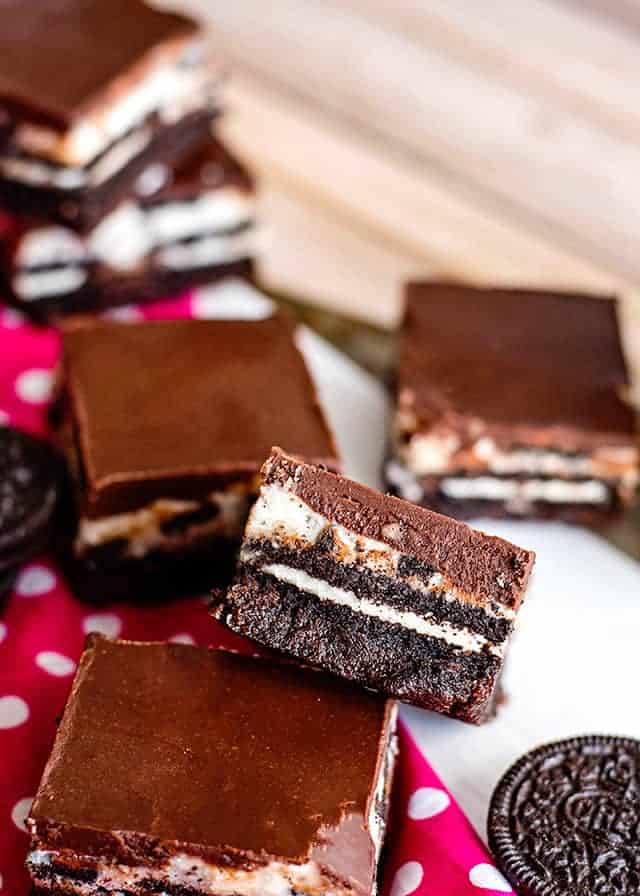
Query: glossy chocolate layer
pixel 179 408
pixel 167 749
pixel 62 58
pixel 478 564
pixel 209 167
pixel 514 358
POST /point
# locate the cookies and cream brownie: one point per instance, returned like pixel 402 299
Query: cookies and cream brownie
pixel 218 774
pixel 405 601
pixel 512 403
pixel 91 93
pixel 184 223
pixel 165 425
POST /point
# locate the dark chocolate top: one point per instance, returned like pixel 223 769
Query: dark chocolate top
pixel 59 58
pixel 176 408
pixel 210 167
pixel 478 564
pixel 166 748
pixel 513 357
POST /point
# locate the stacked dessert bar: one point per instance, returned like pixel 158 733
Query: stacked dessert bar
pixel 513 403
pixel 113 186
pixel 165 425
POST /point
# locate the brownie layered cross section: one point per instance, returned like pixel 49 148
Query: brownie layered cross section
pixel 91 93
pixel 378 590
pixel 184 223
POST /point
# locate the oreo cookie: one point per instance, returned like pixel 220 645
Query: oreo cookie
pixel 30 486
pixel 565 819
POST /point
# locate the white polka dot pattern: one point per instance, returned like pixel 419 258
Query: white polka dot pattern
pixel 182 638
pixel 34 386
pixel 408 878
pixel 107 624
pixel 487 877
pixel 427 802
pixel 20 812
pixel 35 581
pixel 55 663
pixel 13 712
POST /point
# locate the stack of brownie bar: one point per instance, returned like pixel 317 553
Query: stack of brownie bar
pixel 113 186
pixel 513 403
pixel 165 425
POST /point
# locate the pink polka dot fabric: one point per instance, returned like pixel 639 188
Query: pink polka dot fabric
pixel 433 849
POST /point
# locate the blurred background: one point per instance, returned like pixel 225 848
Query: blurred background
pixel 486 141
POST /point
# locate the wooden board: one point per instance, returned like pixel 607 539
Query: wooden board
pixel 392 138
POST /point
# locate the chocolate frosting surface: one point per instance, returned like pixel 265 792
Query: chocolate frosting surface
pixel 167 748
pixel 60 57
pixel 210 167
pixel 172 408
pixel 479 564
pixel 514 358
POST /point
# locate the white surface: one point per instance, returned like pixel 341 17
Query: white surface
pixel 573 664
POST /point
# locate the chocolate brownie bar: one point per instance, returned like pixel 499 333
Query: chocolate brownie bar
pixel 184 223
pixel 165 424
pixel 400 599
pixel 512 403
pixel 93 92
pixel 217 774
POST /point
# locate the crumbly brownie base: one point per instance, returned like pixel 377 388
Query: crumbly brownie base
pixel 396 661
pixel 83 208
pixel 107 574
pixel 380 589
pixel 144 288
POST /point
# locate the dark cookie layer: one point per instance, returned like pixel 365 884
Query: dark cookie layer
pixel 30 483
pixel 84 207
pixel 565 819
pixel 588 515
pixel 397 661
pixel 380 589
pixel 107 573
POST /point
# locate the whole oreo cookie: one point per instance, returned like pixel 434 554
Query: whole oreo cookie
pixel 30 482
pixel 565 819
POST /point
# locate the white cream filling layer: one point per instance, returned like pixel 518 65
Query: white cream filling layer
pixel 39 174
pixel 279 515
pixel 434 454
pixel 273 879
pixel 33 285
pixel 208 250
pixel 166 84
pixel 552 491
pixel 382 790
pixel 467 641
pixel 143 528
pixel 129 234
pixel 216 210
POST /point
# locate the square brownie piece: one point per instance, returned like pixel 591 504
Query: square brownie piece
pixel 512 403
pixel 182 770
pixel 405 601
pixel 187 222
pixel 91 92
pixel 166 424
